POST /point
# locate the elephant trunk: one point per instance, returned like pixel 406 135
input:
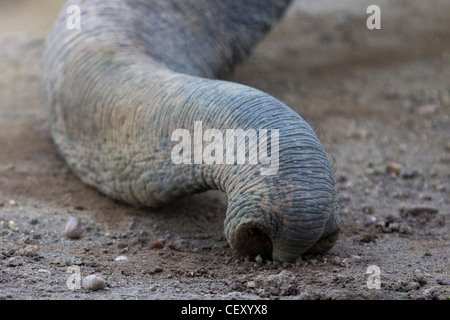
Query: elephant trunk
pixel 135 115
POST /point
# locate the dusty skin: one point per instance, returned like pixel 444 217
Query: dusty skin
pixel 373 97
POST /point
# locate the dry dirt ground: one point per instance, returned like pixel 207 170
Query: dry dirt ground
pixel 373 96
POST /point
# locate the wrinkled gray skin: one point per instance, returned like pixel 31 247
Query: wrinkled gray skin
pixel 138 70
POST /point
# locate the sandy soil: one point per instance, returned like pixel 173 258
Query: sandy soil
pixel 372 96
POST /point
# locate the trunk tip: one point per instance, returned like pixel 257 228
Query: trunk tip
pixel 251 240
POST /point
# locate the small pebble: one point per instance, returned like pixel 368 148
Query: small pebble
pixel 412 286
pixel 393 168
pixel 121 258
pixel 419 277
pixel 93 283
pixel 313 261
pixel 443 282
pixel 13 262
pixel 337 261
pixel 344 181
pixel 431 293
pixel 426 197
pixel 12 224
pixel 29 251
pixel 394 227
pixel 12 203
pixel 409 173
pixel 251 284
pixel 346 263
pixel 427 109
pixel 368 210
pixel 158 270
pixel 342 178
pixel 73 229
pixel 8 253
pixel 158 244
pixel 33 221
pixel 405 229
pixel 45 271
pixel 259 259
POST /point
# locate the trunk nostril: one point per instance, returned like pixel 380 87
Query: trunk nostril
pixel 251 240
